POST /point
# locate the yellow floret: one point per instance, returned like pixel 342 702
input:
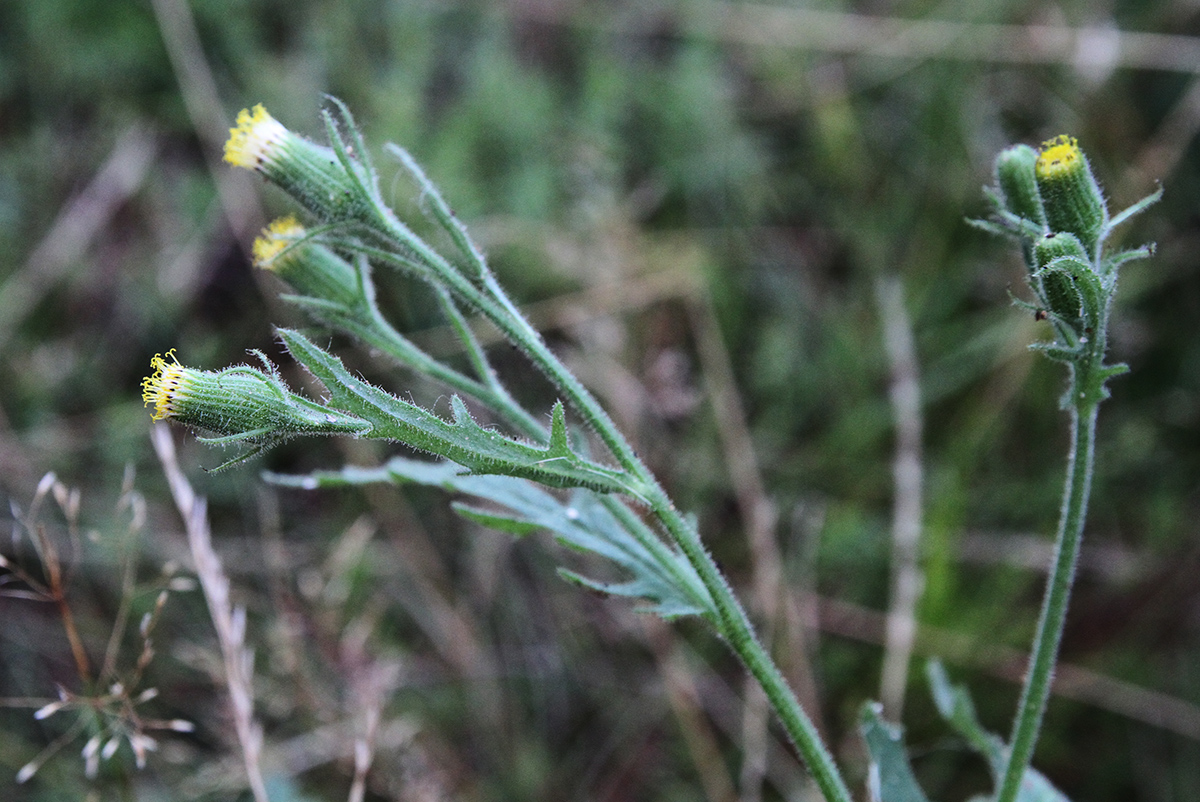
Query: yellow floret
pixel 1058 157
pixel 165 386
pixel 254 139
pixel 275 238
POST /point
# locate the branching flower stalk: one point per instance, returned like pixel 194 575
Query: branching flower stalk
pixel 1051 203
pixel 329 265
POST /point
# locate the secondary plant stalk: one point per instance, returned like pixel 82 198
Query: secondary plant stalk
pixel 1051 203
pixel 1058 592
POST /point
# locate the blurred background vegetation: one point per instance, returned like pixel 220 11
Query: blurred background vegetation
pixel 697 201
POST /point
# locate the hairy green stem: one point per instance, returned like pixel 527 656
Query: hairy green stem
pixel 1040 674
pixel 738 632
pixel 462 329
pixel 733 623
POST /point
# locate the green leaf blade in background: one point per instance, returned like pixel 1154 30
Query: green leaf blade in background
pixel 890 777
pixel 954 704
pixel 583 524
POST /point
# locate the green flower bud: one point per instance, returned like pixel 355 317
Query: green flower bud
pixel 310 173
pixel 1018 185
pixel 239 403
pixel 1060 293
pixel 1066 282
pixel 1070 194
pixel 1055 246
pixel 310 268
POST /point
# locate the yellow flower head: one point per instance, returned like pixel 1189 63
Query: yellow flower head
pixel 1059 156
pixel 275 239
pixel 240 404
pixel 322 179
pixel 256 138
pixel 1072 198
pixel 166 386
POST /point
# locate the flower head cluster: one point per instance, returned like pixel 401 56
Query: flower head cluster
pixel 1051 202
pixel 1051 191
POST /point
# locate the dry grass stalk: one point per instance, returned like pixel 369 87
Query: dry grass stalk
pixel 229 621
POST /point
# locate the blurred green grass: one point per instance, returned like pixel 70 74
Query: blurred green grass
pixel 593 147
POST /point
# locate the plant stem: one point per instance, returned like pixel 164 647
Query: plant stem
pixel 733 623
pixel 1058 590
pixel 737 630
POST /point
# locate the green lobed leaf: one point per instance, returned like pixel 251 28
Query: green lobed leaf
pixel 955 706
pixel 480 450
pixel 1135 209
pixel 1115 260
pixel 1059 353
pixel 513 525
pixel 659 574
pixel 891 777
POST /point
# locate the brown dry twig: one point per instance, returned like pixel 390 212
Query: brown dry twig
pixel 229 622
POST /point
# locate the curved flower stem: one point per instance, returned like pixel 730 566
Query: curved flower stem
pixel 735 627
pixel 732 622
pixel 372 329
pixel 1028 722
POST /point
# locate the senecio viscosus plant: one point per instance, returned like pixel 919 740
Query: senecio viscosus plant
pixel 613 506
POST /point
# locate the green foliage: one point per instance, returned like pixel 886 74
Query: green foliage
pixel 955 707
pixel 462 440
pixel 890 779
pixel 583 523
